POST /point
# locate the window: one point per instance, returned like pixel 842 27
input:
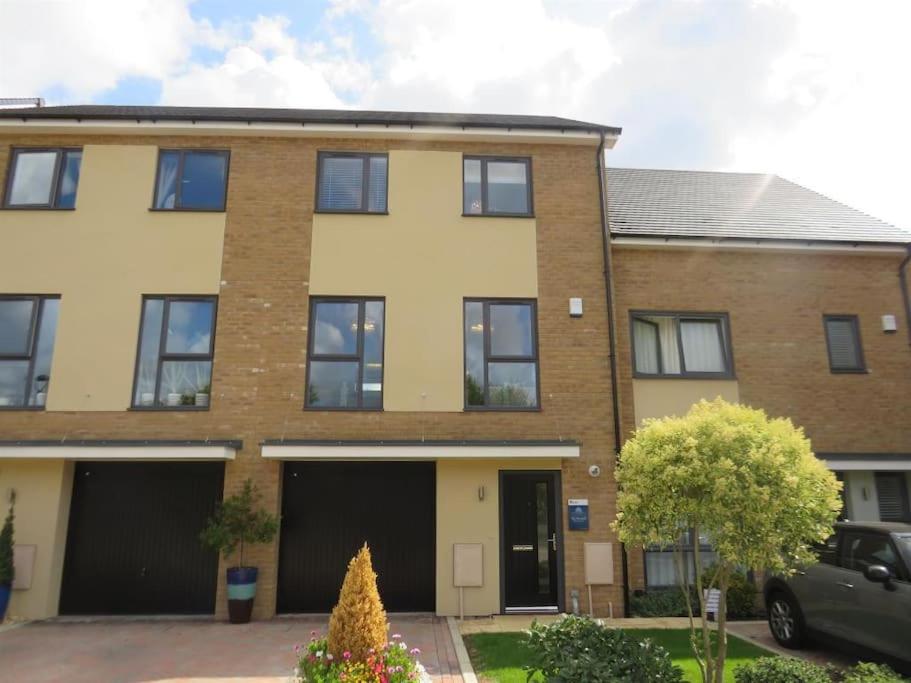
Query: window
pixel 501 354
pixel 191 180
pixel 43 178
pixel 28 325
pixel 176 343
pixel 345 359
pixel 351 182
pixel 892 497
pixel 495 186
pixel 660 563
pixel 862 549
pixel 843 342
pixel 827 551
pixel 681 345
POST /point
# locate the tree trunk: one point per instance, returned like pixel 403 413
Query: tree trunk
pixel 722 623
pixel 709 672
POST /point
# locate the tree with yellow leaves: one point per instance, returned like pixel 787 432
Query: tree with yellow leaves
pixel 358 622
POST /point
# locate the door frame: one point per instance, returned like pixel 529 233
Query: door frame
pixel 556 478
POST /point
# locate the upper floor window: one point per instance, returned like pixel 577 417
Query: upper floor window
pixel 43 178
pixel 681 345
pixel 352 182
pixel 176 344
pixel 496 186
pixel 191 180
pixel 501 354
pixel 28 325
pixel 843 342
pixel 345 356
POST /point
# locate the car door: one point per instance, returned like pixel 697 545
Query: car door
pixel 876 615
pixel 816 588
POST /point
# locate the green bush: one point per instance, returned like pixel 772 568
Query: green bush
pixel 580 649
pixel 741 594
pixel 667 602
pixel 7 571
pixel 781 670
pixel 865 672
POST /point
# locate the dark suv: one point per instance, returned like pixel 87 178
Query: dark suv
pixel 860 591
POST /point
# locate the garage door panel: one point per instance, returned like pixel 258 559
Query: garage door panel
pixel 329 510
pixel 133 539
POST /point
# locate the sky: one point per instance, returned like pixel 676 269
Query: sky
pixel 816 91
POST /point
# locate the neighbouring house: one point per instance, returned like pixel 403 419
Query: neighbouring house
pixel 402 326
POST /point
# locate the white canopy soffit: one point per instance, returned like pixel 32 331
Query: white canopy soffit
pixel 853 462
pixel 417 450
pixel 115 450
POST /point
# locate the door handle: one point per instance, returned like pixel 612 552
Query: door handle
pixel 553 541
pixel 844 584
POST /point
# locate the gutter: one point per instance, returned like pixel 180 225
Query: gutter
pixel 903 283
pixel 612 341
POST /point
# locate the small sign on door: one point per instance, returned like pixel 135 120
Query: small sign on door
pixel 578 514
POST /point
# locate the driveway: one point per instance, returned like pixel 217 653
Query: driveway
pixel 758 632
pixel 184 650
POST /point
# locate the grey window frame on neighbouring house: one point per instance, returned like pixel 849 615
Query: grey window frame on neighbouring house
pixel 183 153
pixel 485 210
pixel 359 355
pixel 366 182
pixel 723 324
pixel 901 501
pixel 859 364
pixel 489 357
pixel 57 176
pixel 163 356
pixel 30 352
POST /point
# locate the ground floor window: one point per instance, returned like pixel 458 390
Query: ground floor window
pixel 660 570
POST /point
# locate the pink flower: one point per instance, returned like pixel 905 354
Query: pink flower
pixel 346 654
pixel 396 636
pixel 313 633
pixel 330 657
pixel 415 651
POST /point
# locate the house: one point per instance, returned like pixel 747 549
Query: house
pixel 406 329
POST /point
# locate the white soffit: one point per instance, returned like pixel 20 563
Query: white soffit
pixel 868 463
pixel 418 451
pixel 746 244
pixel 114 453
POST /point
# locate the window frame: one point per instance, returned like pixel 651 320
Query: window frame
pixel 854 319
pixel 365 182
pixel 178 192
pixel 164 356
pixel 727 345
pixel 485 160
pixel 357 357
pixel 37 313
pixel 488 358
pixel 59 169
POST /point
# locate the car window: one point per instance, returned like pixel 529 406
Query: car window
pixel 861 550
pixel 827 551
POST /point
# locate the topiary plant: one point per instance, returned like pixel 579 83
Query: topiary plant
pixel 358 622
pixel 236 523
pixel 7 571
pixel 782 670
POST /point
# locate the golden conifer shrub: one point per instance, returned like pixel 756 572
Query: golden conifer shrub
pixel 358 621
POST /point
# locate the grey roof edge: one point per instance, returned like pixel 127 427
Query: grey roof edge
pixel 236 444
pixel 303 116
pixel 864 456
pixel 661 237
pixel 411 443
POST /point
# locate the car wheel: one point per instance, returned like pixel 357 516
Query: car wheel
pixel 785 620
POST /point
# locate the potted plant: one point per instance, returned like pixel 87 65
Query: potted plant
pixel 202 396
pixel 235 524
pixel 7 571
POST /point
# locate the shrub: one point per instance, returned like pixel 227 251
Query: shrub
pixel 7 571
pixel 580 649
pixel 395 663
pixel 781 670
pixel 236 523
pixel 741 594
pixel 358 621
pixel 658 603
pixel 865 672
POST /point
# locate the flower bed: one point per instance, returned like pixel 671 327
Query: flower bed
pixel 394 663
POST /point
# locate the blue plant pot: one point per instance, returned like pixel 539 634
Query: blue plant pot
pixel 241 592
pixel 5 590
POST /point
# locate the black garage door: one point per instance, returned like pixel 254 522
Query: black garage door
pixel 133 540
pixel 330 509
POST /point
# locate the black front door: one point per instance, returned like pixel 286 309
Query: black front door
pixel 133 538
pixel 530 540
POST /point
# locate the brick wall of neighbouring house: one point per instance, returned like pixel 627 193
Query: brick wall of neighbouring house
pixel 776 302
pixel 260 344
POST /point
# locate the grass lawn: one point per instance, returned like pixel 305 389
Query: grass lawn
pixel 499 657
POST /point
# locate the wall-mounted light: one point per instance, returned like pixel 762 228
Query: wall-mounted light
pixel 863 493
pixel 575 307
pixel 889 323
pixel 481 492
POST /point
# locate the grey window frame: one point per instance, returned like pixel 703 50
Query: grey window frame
pixel 365 183
pixel 34 325
pixel 490 358
pixel 727 346
pixel 356 357
pixel 59 169
pixel 903 491
pixel 164 356
pixel 855 322
pixel 178 190
pixel 485 160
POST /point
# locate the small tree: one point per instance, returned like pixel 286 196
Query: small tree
pixel 752 484
pixel 7 570
pixel 358 621
pixel 236 523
